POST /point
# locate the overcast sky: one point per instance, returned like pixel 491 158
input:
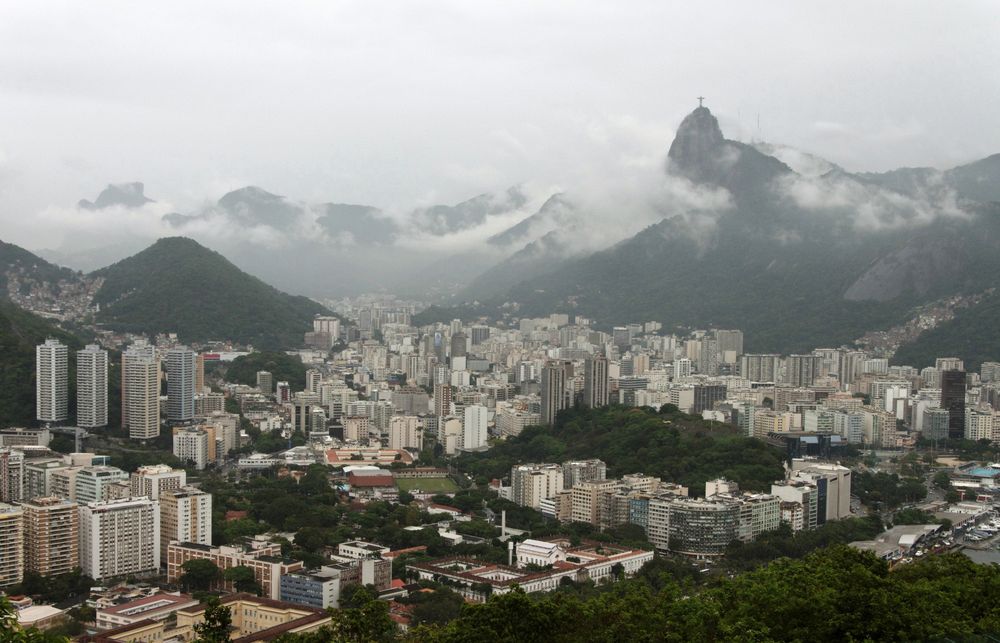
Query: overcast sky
pixel 409 103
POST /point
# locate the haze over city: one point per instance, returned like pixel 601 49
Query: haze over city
pixel 444 321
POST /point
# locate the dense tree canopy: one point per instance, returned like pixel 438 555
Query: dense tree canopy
pixel 672 445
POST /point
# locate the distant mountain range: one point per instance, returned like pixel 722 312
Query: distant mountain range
pixel 798 260
pixel 175 285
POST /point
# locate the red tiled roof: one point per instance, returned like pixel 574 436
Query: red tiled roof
pixel 371 481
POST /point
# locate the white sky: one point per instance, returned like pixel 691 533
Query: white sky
pixel 399 104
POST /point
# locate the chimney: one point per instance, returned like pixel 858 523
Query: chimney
pixel 503 523
pixel 510 553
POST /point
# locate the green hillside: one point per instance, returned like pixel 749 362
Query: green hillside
pixel 17 260
pixel 20 332
pixel 675 446
pixel 177 285
pixel 971 335
pixel 283 368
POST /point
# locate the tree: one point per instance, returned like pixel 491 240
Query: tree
pixel 199 575
pixel 243 579
pixel 942 480
pixel 214 628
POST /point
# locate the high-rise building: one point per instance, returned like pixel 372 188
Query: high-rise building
pixel 553 391
pixel 935 424
pixel 90 483
pixel 442 399
pixel 577 471
pixel 180 384
pixel 458 345
pixel 474 428
pixel 802 370
pixel 195 445
pixel 706 395
pixel 405 432
pixel 329 325
pixel 595 382
pixel 51 530
pixel 185 516
pixel 949 364
pixel 480 334
pixel 265 382
pixel 119 537
pixel 51 381
pixel 953 384
pixel 532 483
pixel 760 367
pixel 730 340
pixel 141 392
pixel 11 475
pixel 92 387
pixel 11 545
pixel 199 373
pixel 313 380
pixel 155 479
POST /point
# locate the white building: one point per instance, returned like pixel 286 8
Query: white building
pixel 141 391
pixel 185 516
pixel 405 432
pixel 192 445
pixel 119 538
pixel 474 428
pixel 51 383
pixel 153 480
pixel 92 387
pixel 532 483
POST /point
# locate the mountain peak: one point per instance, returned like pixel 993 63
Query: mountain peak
pixel 129 195
pixel 696 145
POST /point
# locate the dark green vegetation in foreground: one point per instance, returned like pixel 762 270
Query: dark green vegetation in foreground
pixel 283 368
pixel 20 332
pixel 671 445
pixel 178 285
pixel 835 594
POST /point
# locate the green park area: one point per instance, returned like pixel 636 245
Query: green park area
pixel 429 485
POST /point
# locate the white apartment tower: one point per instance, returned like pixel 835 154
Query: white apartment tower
pixel 51 381
pixel 474 428
pixel 141 391
pixel 119 538
pixel 92 387
pixel 185 516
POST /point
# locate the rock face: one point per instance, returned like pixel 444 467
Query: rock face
pixel 129 195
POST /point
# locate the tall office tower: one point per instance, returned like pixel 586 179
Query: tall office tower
pixel 138 350
pixel 180 384
pixel 949 364
pixel 802 370
pixel 11 545
pixel 92 387
pixel 730 340
pixel 282 392
pixel 313 380
pixel 141 392
pixel 953 384
pixel 155 479
pixel 119 537
pixel 595 382
pixel 199 373
pixel 577 471
pixel 51 533
pixel 474 431
pixel 51 383
pixel 553 391
pixel 327 324
pixel 479 335
pixel 458 345
pixel 442 399
pixel 265 382
pixel 185 516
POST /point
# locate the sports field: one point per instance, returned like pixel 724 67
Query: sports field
pixel 430 485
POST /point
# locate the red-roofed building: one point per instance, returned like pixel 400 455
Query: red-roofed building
pixel 374 486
